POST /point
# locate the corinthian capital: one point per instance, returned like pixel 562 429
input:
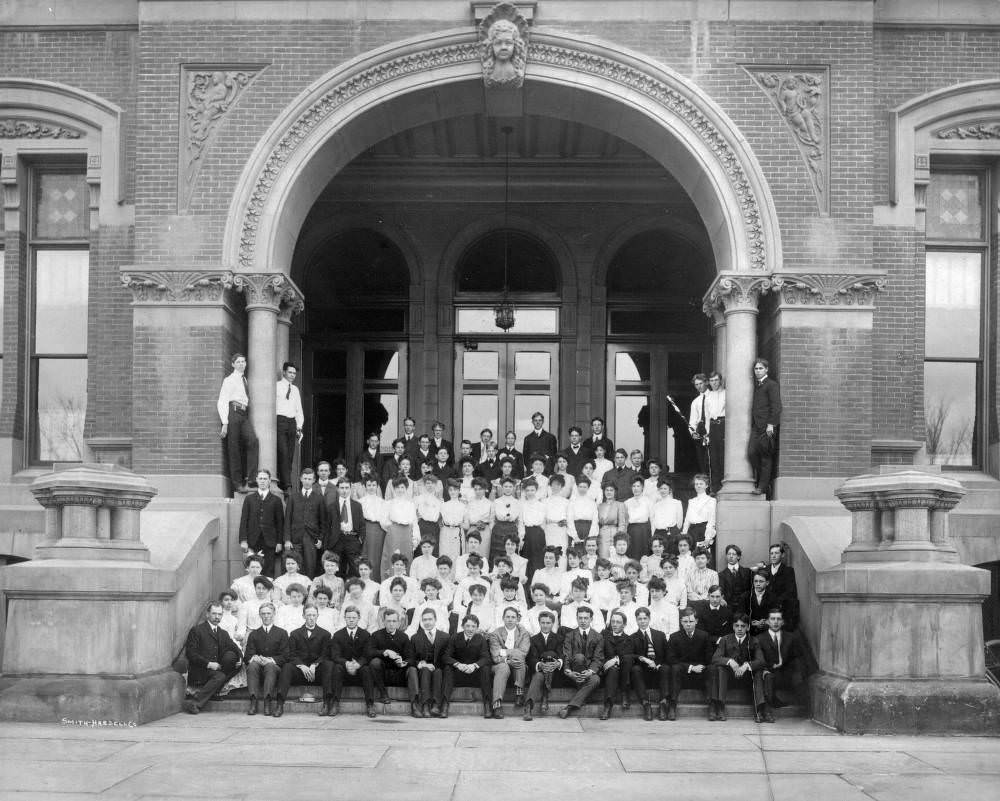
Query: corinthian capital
pixel 267 290
pixel 828 289
pixel 735 292
pixel 177 287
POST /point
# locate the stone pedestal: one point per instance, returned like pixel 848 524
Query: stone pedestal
pixel 88 620
pixel 901 639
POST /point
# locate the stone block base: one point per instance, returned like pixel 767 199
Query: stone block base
pixel 115 701
pixel 905 707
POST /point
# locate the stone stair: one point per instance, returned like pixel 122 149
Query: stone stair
pixel 466 702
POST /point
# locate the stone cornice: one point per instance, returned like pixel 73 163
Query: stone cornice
pixel 827 289
pixel 274 291
pixel 180 287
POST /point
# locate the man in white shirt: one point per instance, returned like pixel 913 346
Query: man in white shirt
pixel 288 403
pixel 698 421
pixel 237 430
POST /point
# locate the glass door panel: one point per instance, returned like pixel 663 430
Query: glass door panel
pixel 632 423
pixel 479 412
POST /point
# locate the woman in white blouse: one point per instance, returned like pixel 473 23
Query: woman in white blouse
pixel 399 518
pixel 479 515
pixel 507 469
pixel 651 487
pixel 538 474
pixel 394 489
pixel 667 516
pixel 601 464
pixel 569 483
pixel 532 526
pixel 593 482
pixel 699 522
pixel 611 520
pixel 557 521
pixel 243 586
pixel 452 518
pixel 467 469
pixel 504 520
pixel 359 488
pixel 637 508
pixel 373 510
pixel 583 512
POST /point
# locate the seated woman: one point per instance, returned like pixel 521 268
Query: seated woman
pixel 360 487
pixel 612 520
pixel 289 615
pixel 243 585
pixel 664 615
pixel 569 483
pixel 651 564
pixel 504 569
pixel 329 616
pixel 248 616
pixel 431 588
pixel 394 600
pixel 292 561
pixel 330 579
pixel 356 597
pixel 518 564
pixel 700 580
pixel 551 574
pixel 507 470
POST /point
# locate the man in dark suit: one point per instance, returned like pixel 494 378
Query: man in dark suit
pixel 714 619
pixel 467 662
pixel 265 655
pixel 409 437
pixel 545 660
pixel 424 452
pixel 479 449
pixel 438 441
pixel 735 581
pixel 577 453
pixel 583 658
pixel 778 661
pixel 489 468
pixel 510 451
pixel 212 657
pixel 765 417
pixel 598 436
pixel 782 585
pixel 733 662
pixel 349 652
pixel 650 663
pixel 443 466
pixel 372 453
pixel 390 464
pixel 540 442
pixel 620 477
pixel 345 527
pixel 689 654
pixel 305 521
pixel 262 522
pixel 426 670
pixel 390 657
pixel 760 601
pixel 307 660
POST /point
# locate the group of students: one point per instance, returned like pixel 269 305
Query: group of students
pixel 436 623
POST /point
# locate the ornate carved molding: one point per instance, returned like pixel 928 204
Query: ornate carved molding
pixel 828 289
pixel 177 287
pixel 987 129
pixel 503 39
pixel 735 292
pixel 268 291
pixel 627 76
pixel 289 309
pixel 36 129
pixel 207 95
pixel 801 96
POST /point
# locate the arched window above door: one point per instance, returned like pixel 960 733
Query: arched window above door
pixel 531 266
pixel 659 262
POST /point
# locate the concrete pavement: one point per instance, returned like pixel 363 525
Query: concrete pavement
pixel 225 756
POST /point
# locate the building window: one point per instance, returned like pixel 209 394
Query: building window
pixel 60 267
pixel 955 310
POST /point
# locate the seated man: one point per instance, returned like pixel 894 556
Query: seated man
pixel 650 663
pixel 714 619
pixel 689 654
pixel 349 651
pixel 426 672
pixel 212 657
pixel 735 581
pixel 734 657
pixel 466 662
pixel 545 659
pixel 618 656
pixel 266 654
pixel 509 646
pixel 777 663
pixel 583 658
pixel 390 655
pixel 307 660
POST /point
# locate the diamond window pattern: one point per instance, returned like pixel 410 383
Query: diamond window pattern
pixel 954 206
pixel 61 206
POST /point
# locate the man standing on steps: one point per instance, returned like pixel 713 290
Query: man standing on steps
pixel 262 522
pixel 237 430
pixel 541 442
pixel 765 417
pixel 698 422
pixel 288 403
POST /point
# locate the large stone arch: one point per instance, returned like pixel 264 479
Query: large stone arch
pixel 439 75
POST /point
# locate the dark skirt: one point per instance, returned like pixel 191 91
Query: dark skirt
pixel 582 529
pixel 696 531
pixel 669 537
pixel 429 530
pixel 500 531
pixel 534 549
pixel 639 540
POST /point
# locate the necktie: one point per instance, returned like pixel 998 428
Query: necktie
pixel 650 651
pixel 246 386
pixel 305 493
pixel 288 394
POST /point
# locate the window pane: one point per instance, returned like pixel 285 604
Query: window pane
pixel 381 415
pixel 481 366
pixel 479 412
pixel 631 422
pixel 953 304
pixel 526 321
pixel 382 365
pixel 61 206
pixel 632 367
pixel 950 391
pixel 954 206
pixel 61 301
pixel 527 405
pixel 62 406
pixel 330 365
pixel 532 366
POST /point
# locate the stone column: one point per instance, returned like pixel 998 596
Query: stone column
pixel 719 321
pixel 901 637
pixel 266 293
pixel 736 295
pixel 285 314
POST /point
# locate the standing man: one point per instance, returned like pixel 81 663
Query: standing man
pixel 237 430
pixel 620 477
pixel 305 521
pixel 765 417
pixel 345 527
pixel 598 437
pixel 262 522
pixel 583 658
pixel 372 453
pixel 212 657
pixel 782 585
pixel 438 441
pixel 735 581
pixel 698 421
pixel 578 453
pixel 480 448
pixel 288 403
pixel 410 441
pixel 540 442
